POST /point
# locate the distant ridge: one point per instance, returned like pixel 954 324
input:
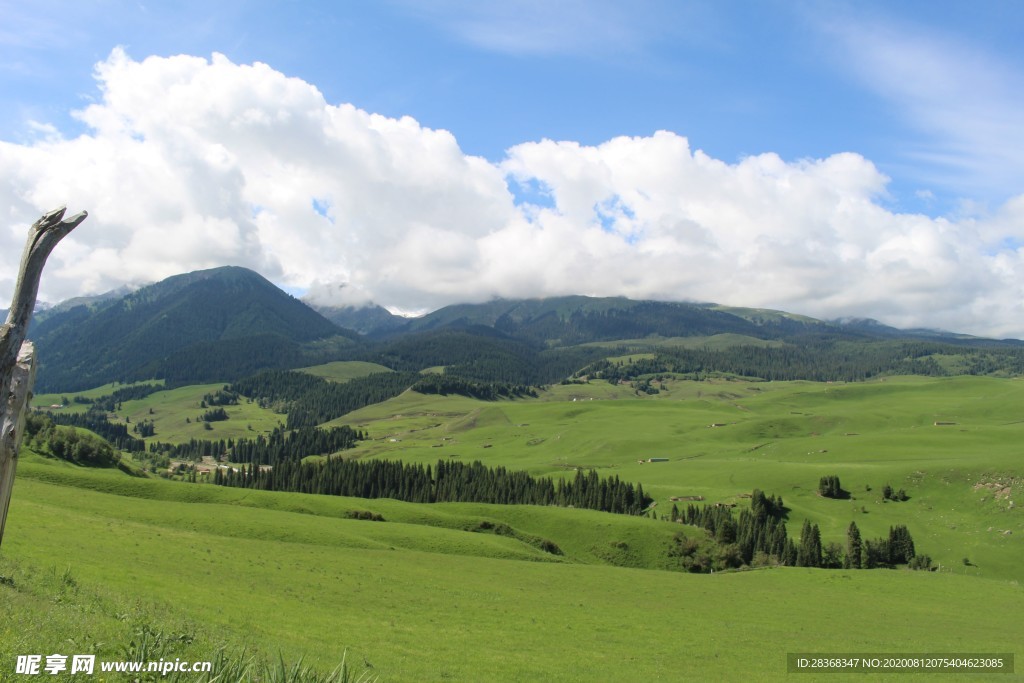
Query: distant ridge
pixel 226 323
pixel 221 322
pixel 366 320
pixel 571 320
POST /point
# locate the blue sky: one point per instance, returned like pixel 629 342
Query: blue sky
pixel 926 96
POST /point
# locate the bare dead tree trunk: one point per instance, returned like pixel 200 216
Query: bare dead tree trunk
pixel 12 423
pixel 17 356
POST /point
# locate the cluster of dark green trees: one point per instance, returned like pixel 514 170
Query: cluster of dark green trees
pixel 66 443
pixel 446 482
pixel 759 537
pixel 829 487
pixel 217 414
pixel 311 400
pixel 898 548
pixel 112 401
pixel 220 397
pixel 96 421
pixel 144 428
pixel 889 494
pixel 279 446
pixel 489 391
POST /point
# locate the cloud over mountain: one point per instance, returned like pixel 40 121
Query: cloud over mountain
pixel 190 163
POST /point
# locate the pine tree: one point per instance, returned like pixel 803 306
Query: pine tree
pixel 853 546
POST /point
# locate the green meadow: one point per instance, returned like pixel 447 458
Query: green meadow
pixel 952 444
pixel 463 592
pixel 344 370
pixel 176 413
pixel 48 401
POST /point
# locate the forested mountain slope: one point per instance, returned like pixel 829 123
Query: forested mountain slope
pixel 230 315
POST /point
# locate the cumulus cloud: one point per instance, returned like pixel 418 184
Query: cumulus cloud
pixel 191 163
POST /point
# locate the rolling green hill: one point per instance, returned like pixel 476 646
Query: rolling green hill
pixel 780 437
pixel 430 594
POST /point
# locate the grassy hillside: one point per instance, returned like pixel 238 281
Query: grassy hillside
pixel 423 599
pixel 963 478
pixel 45 401
pixel 175 413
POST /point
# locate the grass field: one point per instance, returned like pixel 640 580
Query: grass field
pixel 965 479
pixel 421 598
pixel 176 413
pixel 176 416
pixel 46 401
pixel 428 594
pixel 344 370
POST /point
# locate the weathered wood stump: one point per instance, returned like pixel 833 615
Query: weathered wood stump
pixel 17 356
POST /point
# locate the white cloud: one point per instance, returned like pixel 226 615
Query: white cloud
pixel 191 163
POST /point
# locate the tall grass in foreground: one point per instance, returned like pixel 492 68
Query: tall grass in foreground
pixel 49 610
pixel 243 668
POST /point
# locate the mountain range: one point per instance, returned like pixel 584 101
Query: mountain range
pixel 225 323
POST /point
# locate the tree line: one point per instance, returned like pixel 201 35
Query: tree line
pixel 279 446
pixel 96 421
pixel 112 401
pixel 445 482
pixel 484 391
